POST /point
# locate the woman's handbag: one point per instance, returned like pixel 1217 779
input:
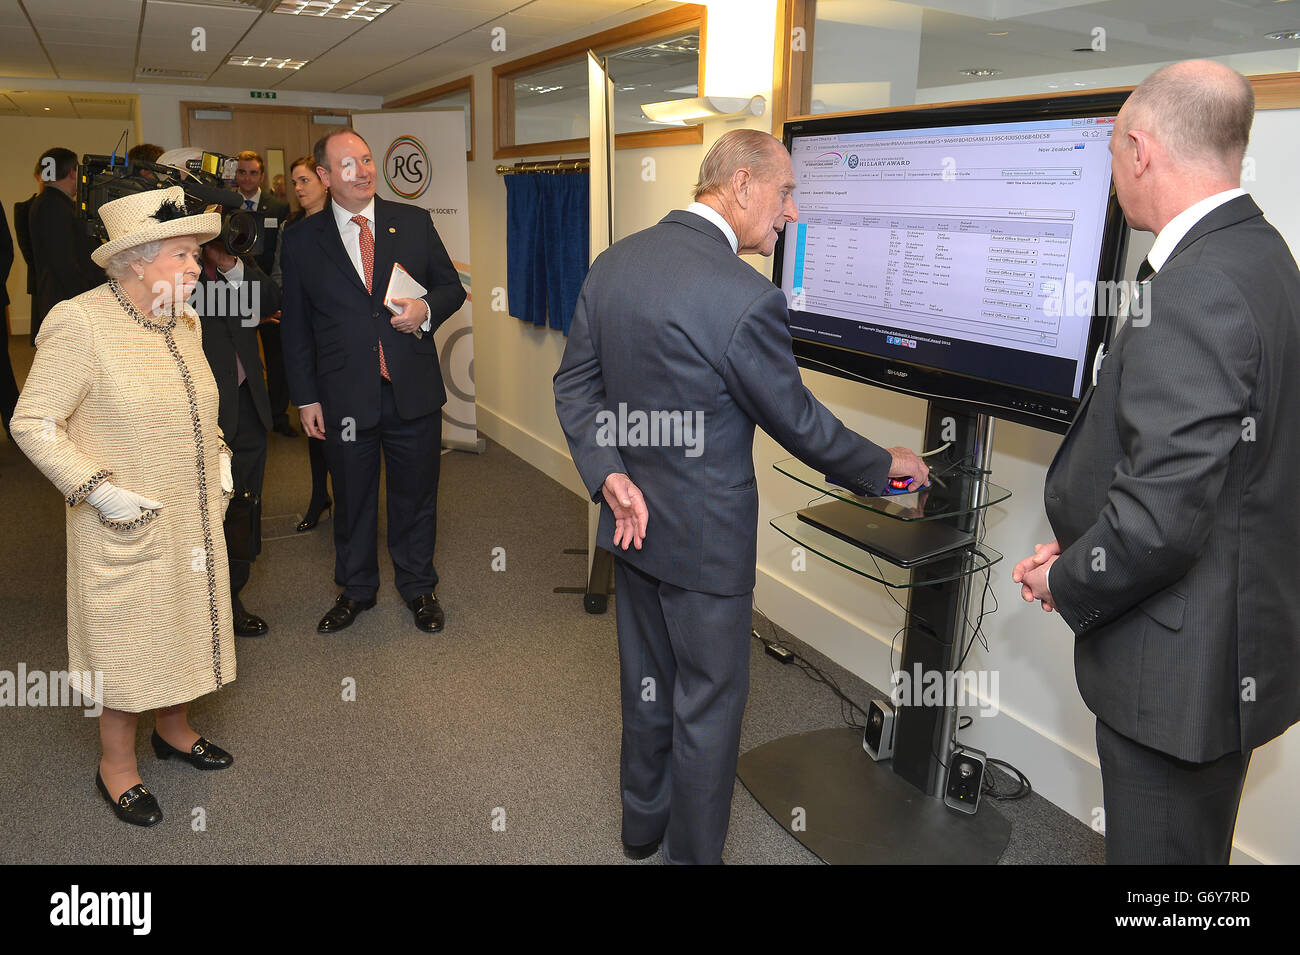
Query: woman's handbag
pixel 244 526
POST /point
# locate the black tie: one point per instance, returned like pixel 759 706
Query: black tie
pixel 1145 271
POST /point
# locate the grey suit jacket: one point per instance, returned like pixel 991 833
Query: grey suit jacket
pixel 1174 498
pixel 670 321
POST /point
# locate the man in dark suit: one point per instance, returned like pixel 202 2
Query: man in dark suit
pixel 1173 494
pixel 22 232
pixel 250 174
pixel 60 243
pixel 233 295
pixel 367 380
pixel 673 329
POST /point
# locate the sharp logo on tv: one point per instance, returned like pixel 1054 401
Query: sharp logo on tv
pixel 407 169
pixel 897 373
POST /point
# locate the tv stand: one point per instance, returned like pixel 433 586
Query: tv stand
pixel 854 809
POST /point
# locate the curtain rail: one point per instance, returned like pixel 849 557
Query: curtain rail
pixel 562 165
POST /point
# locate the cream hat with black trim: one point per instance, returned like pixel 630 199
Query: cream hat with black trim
pixel 149 217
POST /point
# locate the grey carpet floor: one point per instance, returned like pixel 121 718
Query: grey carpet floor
pixel 494 742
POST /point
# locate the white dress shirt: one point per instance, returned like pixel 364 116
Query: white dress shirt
pixel 1178 227
pixel 713 215
pixel 350 233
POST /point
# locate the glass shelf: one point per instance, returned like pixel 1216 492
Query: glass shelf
pixel 945 497
pixel 863 562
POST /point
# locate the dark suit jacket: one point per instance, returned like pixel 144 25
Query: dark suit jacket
pixel 269 207
pixel 331 325
pixel 1179 478
pixel 61 250
pixel 671 320
pixel 6 258
pixel 24 236
pixel 228 334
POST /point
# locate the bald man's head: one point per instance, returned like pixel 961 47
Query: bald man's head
pixel 1199 111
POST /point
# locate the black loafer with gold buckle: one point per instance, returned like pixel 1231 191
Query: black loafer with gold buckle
pixel 136 806
pixel 204 754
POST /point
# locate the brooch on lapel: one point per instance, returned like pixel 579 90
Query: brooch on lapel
pixel 392 230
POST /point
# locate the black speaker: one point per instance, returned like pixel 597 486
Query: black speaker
pixel 965 780
pixel 878 737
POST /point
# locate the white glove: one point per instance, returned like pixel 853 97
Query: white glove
pixel 227 477
pixel 119 504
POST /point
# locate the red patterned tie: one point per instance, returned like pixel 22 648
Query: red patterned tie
pixel 368 263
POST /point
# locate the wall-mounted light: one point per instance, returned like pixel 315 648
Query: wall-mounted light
pixel 704 107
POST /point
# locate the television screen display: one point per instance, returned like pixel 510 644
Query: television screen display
pixel 958 253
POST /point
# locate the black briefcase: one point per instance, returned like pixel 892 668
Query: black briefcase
pixel 244 526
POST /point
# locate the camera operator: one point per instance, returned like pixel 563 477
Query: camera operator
pixel 233 297
pixel 60 246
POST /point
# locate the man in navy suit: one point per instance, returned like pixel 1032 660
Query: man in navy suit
pixel 250 176
pixel 673 328
pixel 366 380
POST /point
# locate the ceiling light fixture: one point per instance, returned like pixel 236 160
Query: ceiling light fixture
pixel 677 111
pixel 334 9
pixel 982 71
pixel 268 62
pixel 1284 35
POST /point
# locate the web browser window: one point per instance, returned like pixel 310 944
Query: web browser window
pixel 962 237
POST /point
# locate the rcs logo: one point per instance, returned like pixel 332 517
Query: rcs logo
pixel 406 167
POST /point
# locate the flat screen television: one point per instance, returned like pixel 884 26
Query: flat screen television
pixel 970 254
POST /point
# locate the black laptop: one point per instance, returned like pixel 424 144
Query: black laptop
pixel 905 543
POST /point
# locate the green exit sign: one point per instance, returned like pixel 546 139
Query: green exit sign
pixel 261 94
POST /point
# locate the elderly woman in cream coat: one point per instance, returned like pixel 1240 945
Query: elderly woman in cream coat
pixel 120 413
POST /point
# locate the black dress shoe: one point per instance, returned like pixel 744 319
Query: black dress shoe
pixel 250 625
pixel 136 806
pixel 204 754
pixel 312 517
pixel 342 614
pixel 637 853
pixel 428 613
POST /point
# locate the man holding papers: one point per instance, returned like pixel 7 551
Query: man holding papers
pixel 366 377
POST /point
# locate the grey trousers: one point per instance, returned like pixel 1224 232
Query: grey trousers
pixel 1161 810
pixel 684 662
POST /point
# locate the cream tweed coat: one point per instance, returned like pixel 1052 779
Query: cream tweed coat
pixel 132 401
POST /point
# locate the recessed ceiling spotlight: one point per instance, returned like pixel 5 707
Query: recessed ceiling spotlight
pixel 1080 84
pixel 982 71
pixel 1053 86
pixel 1284 35
pixel 1003 33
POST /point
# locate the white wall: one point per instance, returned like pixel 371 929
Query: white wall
pixel 1042 726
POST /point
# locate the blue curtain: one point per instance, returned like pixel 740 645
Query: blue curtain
pixel 547 239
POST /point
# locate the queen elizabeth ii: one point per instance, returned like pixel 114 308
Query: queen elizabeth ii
pixel 120 413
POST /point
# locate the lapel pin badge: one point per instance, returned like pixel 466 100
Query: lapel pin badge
pixel 391 229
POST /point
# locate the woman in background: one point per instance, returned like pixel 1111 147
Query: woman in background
pixel 312 198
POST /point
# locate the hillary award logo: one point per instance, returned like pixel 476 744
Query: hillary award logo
pixel 406 168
